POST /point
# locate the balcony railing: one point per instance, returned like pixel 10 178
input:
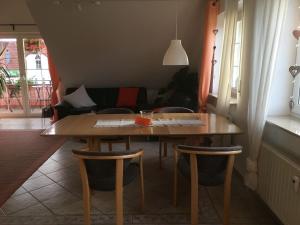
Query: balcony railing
pixel 39 94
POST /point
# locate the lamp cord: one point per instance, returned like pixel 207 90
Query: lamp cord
pixel 176 28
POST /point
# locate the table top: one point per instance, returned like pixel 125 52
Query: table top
pixel 83 126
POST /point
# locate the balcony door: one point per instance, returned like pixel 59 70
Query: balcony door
pixel 25 83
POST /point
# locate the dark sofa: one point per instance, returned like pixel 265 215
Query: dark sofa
pixel 103 97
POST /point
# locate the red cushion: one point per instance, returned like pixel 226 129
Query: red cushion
pixel 127 97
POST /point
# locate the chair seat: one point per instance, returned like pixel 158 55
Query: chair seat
pixel 210 173
pixel 108 183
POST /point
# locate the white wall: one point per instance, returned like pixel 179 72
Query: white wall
pixel 14 12
pixel 119 43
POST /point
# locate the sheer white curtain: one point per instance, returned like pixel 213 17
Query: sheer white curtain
pixel 268 22
pixel 224 95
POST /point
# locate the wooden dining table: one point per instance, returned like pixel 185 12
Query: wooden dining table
pixel 83 126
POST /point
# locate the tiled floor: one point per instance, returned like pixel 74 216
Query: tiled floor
pixel 52 196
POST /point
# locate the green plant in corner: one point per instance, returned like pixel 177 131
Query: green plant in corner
pixel 181 91
pixel 2 84
pixel 30 82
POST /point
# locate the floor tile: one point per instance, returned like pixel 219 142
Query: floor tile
pixel 49 192
pixel 50 167
pixel 37 183
pixel 19 191
pixel 56 198
pixel 72 184
pixel 35 175
pixel 63 174
pixel 66 204
pixel 34 210
pixel 19 202
pixel 2 212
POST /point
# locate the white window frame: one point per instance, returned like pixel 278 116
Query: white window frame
pixel 296 91
pixel 235 91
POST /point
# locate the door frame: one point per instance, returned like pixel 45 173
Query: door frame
pixel 19 36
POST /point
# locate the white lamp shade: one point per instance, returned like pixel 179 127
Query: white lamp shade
pixel 175 54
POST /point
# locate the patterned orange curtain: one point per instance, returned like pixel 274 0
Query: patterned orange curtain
pixel 55 85
pixel 207 52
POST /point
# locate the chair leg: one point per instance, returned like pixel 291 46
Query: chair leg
pixel 142 183
pixel 91 143
pixel 176 156
pixel 160 154
pixel 227 190
pixel 119 192
pixel 165 149
pixel 99 145
pixel 86 193
pixel 194 189
pixel 128 143
pixel 110 146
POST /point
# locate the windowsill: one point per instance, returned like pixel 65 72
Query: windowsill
pixel 290 124
pixel 213 98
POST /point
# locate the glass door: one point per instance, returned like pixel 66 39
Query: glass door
pixel 38 78
pixel 11 94
pixel 25 83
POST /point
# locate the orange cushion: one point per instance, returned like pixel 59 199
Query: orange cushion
pixel 127 97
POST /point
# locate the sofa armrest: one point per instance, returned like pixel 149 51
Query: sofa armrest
pixel 83 110
pixel 63 109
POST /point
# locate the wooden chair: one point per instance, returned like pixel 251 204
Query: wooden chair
pixel 113 140
pixel 163 141
pixel 191 155
pixel 118 165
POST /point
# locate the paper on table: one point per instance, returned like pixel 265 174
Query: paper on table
pixel 175 122
pixel 155 123
pixel 114 123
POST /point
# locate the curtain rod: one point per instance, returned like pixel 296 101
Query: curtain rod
pixel 13 25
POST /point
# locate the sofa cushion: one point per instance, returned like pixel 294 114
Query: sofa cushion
pixel 127 97
pixel 79 98
pixel 103 97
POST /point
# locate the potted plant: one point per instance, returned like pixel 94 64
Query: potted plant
pixel 2 84
pixel 181 91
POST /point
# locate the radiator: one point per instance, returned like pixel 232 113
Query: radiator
pixel 278 184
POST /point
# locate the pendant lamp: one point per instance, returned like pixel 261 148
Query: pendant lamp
pixel 175 55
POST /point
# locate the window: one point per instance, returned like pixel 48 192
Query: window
pixel 218 54
pixel 296 91
pixel 38 62
pixel 235 76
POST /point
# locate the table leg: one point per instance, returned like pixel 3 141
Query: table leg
pixel 92 143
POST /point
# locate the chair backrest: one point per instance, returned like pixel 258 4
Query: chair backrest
pixel 210 151
pixel 101 175
pixel 173 110
pixel 211 162
pixel 116 111
pixel 93 155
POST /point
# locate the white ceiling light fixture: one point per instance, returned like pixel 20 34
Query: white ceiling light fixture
pixel 176 55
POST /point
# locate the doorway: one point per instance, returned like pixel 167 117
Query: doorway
pixel 25 83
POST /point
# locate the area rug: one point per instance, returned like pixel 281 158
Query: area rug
pixel 22 152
